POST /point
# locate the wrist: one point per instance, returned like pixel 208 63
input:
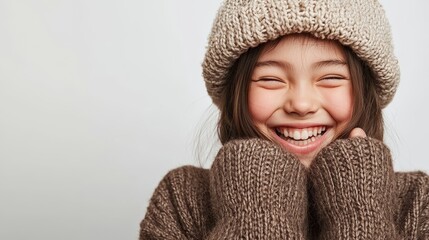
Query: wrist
pixel 260 225
pixel 352 185
pixel 256 180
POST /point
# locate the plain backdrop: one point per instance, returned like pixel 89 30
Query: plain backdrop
pixel 100 99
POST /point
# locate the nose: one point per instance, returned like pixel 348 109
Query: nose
pixel 301 100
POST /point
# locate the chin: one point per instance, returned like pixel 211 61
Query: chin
pixel 306 161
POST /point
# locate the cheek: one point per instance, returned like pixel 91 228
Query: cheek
pixel 339 104
pixel 262 104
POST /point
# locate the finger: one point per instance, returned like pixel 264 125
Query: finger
pixel 357 132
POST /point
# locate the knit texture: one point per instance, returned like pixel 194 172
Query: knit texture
pixel 258 191
pixel 180 207
pixel 353 190
pixel 254 190
pixel 360 24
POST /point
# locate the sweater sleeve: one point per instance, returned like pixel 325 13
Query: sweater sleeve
pixel 352 186
pixel 258 191
pixel 413 209
pixel 416 201
pixel 179 207
pixel 423 231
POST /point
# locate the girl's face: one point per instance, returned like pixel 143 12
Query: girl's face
pixel 300 94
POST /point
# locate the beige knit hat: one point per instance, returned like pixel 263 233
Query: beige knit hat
pixel 359 24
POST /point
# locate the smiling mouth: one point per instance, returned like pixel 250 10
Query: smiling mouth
pixel 300 137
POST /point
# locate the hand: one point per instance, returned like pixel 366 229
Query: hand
pixel 357 132
pixel 352 185
pixel 258 191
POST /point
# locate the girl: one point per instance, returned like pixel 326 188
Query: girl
pixel 300 85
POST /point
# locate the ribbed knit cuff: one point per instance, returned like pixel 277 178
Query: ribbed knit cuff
pixel 258 191
pixel 352 185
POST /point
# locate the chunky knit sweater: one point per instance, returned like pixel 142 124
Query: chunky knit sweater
pixel 255 190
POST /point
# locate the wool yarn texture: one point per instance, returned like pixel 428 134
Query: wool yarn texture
pixel 256 191
pixel 359 24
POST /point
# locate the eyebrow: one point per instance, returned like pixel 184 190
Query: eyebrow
pixel 330 62
pixel 273 63
pixel 286 65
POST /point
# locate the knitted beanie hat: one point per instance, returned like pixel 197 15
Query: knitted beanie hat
pixel 359 24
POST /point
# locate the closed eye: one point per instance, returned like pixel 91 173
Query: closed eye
pixel 334 78
pixel 269 83
pixel 332 81
pixel 267 80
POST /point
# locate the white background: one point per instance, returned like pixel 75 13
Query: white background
pixel 99 99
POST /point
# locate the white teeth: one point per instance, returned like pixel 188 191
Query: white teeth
pixel 296 135
pixel 285 132
pixel 304 134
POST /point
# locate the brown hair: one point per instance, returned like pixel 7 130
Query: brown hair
pixel 235 121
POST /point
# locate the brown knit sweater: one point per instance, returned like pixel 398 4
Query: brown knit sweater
pixel 255 190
